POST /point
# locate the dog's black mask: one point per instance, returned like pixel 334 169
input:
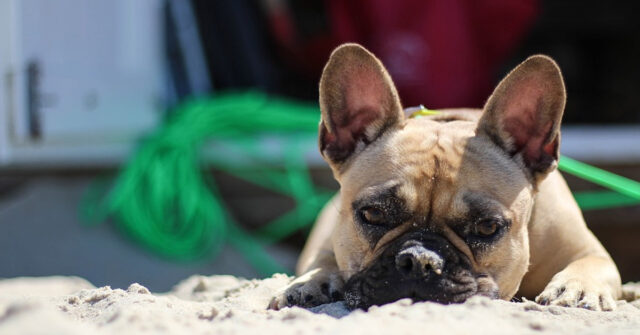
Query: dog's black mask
pixel 421 266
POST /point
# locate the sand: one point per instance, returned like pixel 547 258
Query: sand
pixel 230 305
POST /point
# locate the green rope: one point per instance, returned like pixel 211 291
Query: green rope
pixel 161 199
pixel 624 186
pixel 603 200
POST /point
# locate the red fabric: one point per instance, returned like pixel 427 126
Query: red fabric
pixel 440 53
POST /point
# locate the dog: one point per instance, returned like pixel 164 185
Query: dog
pixel 444 207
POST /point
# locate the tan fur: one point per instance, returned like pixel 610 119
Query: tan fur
pixel 435 162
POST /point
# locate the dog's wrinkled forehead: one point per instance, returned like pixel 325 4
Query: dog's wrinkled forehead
pixel 438 162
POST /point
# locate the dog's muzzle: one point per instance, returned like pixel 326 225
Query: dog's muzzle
pixel 421 266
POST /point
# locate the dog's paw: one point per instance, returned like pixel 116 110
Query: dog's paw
pixel 577 292
pixel 314 288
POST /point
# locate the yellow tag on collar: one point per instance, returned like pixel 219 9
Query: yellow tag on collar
pixel 420 111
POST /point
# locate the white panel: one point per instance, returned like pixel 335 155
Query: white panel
pixel 100 83
pixel 100 65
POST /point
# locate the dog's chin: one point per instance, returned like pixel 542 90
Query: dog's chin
pixel 363 291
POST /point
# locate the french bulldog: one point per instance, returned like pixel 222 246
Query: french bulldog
pixel 444 207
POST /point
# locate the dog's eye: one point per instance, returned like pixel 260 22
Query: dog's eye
pixel 372 215
pixel 486 227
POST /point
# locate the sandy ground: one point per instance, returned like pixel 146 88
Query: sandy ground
pixel 230 305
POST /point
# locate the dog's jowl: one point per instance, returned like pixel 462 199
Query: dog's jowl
pixel 444 207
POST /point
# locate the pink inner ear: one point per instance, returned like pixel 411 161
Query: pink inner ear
pixel 353 126
pixel 365 90
pixel 342 142
pixel 525 120
pixel 366 99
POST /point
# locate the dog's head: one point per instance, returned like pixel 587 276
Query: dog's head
pixel 435 208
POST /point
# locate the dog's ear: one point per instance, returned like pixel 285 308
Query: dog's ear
pixel 358 102
pixel 524 112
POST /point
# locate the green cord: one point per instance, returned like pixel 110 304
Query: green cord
pixel 162 200
pixel 603 200
pixel 601 177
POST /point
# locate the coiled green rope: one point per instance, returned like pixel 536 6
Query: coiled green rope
pixel 162 200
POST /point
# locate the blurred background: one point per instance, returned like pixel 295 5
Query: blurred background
pixel 82 82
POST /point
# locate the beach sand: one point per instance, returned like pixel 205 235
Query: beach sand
pixel 230 305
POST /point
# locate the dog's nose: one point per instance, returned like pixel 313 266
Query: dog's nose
pixel 417 260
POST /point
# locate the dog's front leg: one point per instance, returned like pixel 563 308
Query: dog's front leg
pixel 319 285
pixel 591 282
